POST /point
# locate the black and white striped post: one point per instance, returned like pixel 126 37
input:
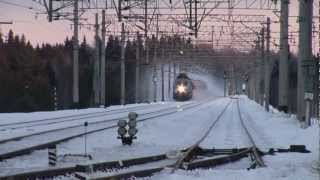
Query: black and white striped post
pixel 52 155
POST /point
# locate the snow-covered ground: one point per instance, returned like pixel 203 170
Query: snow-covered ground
pixel 180 130
pixel 177 131
pixel 276 130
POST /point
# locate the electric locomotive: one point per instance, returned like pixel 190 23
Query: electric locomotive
pixel 182 88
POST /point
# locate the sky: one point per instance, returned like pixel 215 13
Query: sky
pixel 38 30
pixel 35 26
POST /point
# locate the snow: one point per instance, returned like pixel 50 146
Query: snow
pixel 160 135
pixel 25 117
pixel 18 130
pixel 213 86
pixel 274 129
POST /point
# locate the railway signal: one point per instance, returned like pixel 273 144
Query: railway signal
pixel 127 130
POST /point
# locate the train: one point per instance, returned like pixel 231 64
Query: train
pixel 183 88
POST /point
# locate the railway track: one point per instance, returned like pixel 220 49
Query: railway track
pixel 89 119
pixel 147 166
pixel 253 150
pixel 12 150
pixel 69 118
pixel 256 153
pixel 188 159
pixel 191 150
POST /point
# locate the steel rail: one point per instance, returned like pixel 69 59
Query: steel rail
pixel 187 155
pixel 161 113
pixel 194 151
pixel 66 118
pixel 72 126
pixel 255 150
pixel 56 171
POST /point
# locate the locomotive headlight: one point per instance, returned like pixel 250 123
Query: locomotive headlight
pixel 181 88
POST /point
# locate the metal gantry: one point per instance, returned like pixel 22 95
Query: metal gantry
pixel 216 24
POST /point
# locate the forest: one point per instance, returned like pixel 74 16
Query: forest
pixel 29 74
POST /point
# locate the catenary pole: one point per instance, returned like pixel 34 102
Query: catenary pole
pixel 96 75
pixel 162 82
pixel 76 54
pixel 123 88
pixel 257 71
pixel 284 57
pixel 103 60
pixel 267 67
pixel 169 78
pixel 306 62
pixel 261 81
pixel 137 91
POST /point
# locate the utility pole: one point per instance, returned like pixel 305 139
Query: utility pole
pixel 76 54
pixel 232 81
pixel 103 60
pixel 154 79
pixel 267 67
pixel 225 83
pixel 257 71
pixel 196 18
pixel 155 62
pixel 96 75
pixel 284 57
pixel 261 81
pixel 162 82
pixel 169 78
pixel 174 71
pixel 318 77
pixel 146 30
pixel 212 35
pixel 190 14
pixel 138 68
pixel 306 62
pixel 123 88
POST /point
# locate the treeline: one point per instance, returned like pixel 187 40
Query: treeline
pixel 24 76
pixel 29 75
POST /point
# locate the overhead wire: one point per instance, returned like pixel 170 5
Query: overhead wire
pixel 20 5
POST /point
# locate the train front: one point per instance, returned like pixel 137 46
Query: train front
pixel 182 88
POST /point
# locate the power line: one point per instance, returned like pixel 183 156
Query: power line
pixel 19 5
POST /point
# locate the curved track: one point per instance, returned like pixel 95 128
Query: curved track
pixel 19 146
pixel 90 119
pixel 193 148
pixel 69 118
pixel 186 156
pixel 256 153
